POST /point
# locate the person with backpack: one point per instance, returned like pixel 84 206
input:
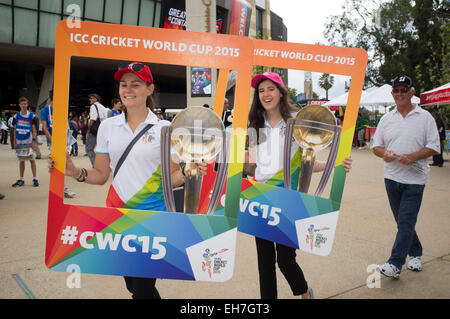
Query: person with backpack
pixel 97 114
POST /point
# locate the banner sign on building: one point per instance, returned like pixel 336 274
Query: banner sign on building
pixel 173 14
pixel 241 13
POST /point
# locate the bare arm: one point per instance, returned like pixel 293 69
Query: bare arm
pixel 98 175
pixel 46 132
pixel 406 159
pixel 319 166
pixel 175 173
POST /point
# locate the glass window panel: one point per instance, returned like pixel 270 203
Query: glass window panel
pixel 259 23
pixel 5 1
pixel 157 15
pixel 6 25
pixel 32 4
pixel 51 6
pixel 77 2
pixel 146 18
pixel 113 8
pixel 47 28
pixel 130 12
pixel 94 10
pixel 25 26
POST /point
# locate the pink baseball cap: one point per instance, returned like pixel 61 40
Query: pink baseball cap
pixel 141 70
pixel 274 77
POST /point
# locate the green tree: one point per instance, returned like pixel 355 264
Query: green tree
pixel 326 82
pixel 292 92
pixel 400 36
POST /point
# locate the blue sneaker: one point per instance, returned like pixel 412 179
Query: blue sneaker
pixel 18 183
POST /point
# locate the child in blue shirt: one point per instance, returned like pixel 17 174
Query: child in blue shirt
pixel 24 137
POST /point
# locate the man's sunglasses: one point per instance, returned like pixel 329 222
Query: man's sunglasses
pixel 136 67
pixel 403 90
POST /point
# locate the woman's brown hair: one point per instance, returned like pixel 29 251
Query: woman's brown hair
pixel 257 111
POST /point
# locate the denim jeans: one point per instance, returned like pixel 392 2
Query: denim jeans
pixel 405 201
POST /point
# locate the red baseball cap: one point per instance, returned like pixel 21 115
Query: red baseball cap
pixel 141 70
pixel 274 77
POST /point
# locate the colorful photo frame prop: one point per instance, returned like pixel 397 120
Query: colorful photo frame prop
pixel 130 242
pixel 303 221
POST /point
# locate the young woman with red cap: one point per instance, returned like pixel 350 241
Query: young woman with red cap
pixel 142 165
pixel 268 116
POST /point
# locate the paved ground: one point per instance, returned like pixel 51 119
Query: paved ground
pixel 364 237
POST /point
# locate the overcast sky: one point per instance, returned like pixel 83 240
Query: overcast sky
pixel 305 22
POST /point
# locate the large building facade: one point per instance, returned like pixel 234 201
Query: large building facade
pixel 27 41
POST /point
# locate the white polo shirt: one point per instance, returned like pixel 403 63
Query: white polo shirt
pixel 138 182
pixel 102 111
pixel 404 136
pixel 270 154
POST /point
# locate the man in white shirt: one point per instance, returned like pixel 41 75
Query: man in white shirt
pixel 404 139
pixel 97 111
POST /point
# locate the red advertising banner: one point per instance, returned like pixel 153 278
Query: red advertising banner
pixel 240 18
pixel 437 96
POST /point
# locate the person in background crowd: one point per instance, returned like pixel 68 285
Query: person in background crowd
pixel 84 126
pixel 226 112
pixel 438 160
pixel 24 137
pixel 404 139
pixel 47 126
pixel 36 149
pixel 116 106
pixel 159 114
pixel 74 129
pixel 11 128
pixel 97 111
pixel 360 130
pixel 4 129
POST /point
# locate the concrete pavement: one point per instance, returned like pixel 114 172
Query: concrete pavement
pixel 364 237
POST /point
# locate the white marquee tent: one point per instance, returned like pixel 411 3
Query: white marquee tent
pixel 382 97
pixel 341 100
pixel 374 96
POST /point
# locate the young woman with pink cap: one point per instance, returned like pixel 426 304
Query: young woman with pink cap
pixel 268 116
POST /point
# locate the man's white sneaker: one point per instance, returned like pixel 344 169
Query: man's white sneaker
pixel 415 263
pixel 389 270
pixel 68 193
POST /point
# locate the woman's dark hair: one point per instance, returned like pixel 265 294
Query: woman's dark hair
pixel 257 111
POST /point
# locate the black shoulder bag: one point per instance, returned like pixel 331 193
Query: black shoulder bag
pixel 129 147
pixel 96 124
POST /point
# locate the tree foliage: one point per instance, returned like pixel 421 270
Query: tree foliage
pixel 401 37
pixel 326 82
